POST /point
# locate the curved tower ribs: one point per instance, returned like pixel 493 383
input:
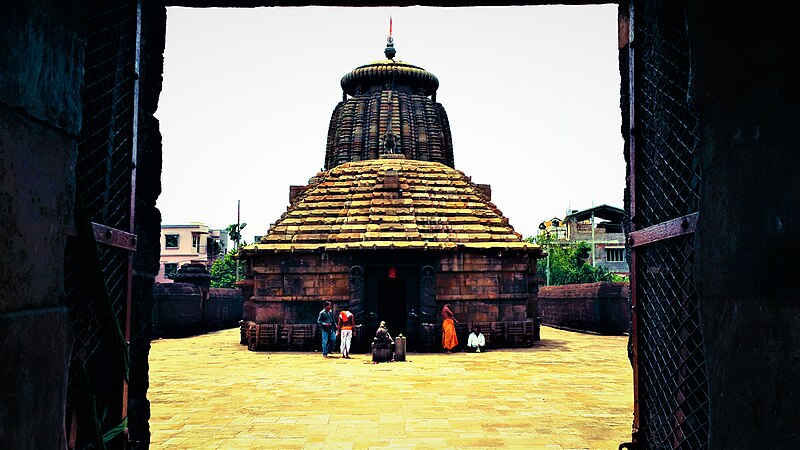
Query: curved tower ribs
pixel 385 95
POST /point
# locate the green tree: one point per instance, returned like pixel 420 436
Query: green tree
pixel 223 272
pixel 568 262
pixel 235 233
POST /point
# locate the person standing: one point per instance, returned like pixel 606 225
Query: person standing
pixel 346 323
pixel 449 339
pixel 328 327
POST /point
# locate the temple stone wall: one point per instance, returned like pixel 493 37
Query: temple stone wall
pixel 177 309
pixel 180 309
pixel 602 307
pixel 290 288
pixel 224 308
pixel 483 287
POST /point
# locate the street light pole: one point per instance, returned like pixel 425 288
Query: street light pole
pixel 238 233
pixel 593 262
pixel 548 269
pixel 549 250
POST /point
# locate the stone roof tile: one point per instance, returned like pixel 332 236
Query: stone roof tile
pixel 433 207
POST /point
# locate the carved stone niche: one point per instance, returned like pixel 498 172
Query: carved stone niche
pixel 427 294
pixel 357 293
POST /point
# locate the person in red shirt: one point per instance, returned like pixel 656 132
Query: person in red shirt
pixel 346 323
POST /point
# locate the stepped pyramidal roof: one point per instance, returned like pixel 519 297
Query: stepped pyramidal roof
pixel 391 203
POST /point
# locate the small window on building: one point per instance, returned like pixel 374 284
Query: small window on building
pixel 171 241
pixel 170 269
pixel 196 243
pixel 615 254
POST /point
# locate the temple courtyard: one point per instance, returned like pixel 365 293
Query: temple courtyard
pixel 570 391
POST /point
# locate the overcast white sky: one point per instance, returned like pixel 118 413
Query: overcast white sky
pixel 532 94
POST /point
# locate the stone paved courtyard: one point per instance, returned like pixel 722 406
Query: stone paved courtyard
pixel 571 391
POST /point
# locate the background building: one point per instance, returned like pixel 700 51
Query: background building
pixel 600 227
pixel 192 243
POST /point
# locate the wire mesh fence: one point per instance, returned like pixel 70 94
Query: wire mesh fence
pixel 114 262
pixel 673 394
pixel 672 366
pixel 103 169
pixel 667 167
pixel 91 320
pixel 96 275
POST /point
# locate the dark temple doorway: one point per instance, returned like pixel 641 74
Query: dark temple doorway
pixel 392 304
pixel 392 295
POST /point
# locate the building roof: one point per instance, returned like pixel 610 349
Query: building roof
pixel 399 72
pixel 391 203
pixel 189 225
pixel 605 212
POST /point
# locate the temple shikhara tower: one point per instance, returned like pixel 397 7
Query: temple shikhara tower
pixel 390 230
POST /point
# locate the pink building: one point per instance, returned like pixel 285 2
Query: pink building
pixel 192 243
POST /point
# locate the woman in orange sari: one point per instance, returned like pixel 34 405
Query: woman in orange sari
pixel 449 339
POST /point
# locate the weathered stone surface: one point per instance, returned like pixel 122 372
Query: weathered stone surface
pixel 421 126
pixel 292 296
pixel 223 309
pixel 41 57
pixel 41 60
pixel 178 308
pixel 35 358
pixel 37 191
pixel 141 334
pixel 746 90
pixel 149 161
pixel 602 307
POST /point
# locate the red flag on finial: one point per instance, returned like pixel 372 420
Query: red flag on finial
pixel 390 26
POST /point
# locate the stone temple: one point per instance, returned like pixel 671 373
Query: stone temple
pixel 390 230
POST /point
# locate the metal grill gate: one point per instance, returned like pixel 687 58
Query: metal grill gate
pixel 98 258
pixel 670 382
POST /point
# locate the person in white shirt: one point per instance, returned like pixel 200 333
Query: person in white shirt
pixel 476 342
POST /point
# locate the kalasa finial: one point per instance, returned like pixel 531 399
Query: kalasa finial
pixel 390 51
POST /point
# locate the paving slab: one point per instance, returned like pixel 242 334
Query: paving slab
pixel 570 391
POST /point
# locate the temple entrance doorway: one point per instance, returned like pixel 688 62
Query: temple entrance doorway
pixel 392 306
pixel 392 295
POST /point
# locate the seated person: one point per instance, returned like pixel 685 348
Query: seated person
pixel 476 342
